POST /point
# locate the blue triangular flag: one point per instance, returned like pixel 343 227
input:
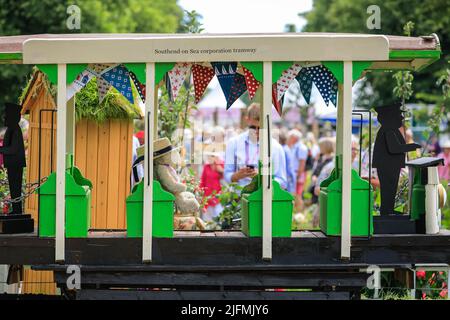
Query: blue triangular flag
pixel 305 83
pixel 226 78
pixel 334 90
pixel 323 79
pixel 168 87
pixel 119 78
pixel 237 89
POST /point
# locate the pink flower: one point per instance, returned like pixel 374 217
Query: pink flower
pixel 443 293
pixel 424 295
pixel 420 274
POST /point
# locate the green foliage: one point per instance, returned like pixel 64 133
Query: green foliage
pixel 191 22
pixel 230 199
pixel 113 106
pixel 174 114
pixel 99 16
pixel 350 16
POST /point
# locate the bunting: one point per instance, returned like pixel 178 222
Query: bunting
pixel 251 82
pixel 177 76
pixel 119 78
pixel 79 83
pixel 202 77
pixel 276 103
pixel 139 86
pixel 100 68
pixel 334 90
pixel 103 87
pixel 324 81
pixel 168 87
pixel 225 72
pixel 305 82
pixel 237 89
pixel 286 79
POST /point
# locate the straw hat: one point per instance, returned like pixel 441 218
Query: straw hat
pixel 161 147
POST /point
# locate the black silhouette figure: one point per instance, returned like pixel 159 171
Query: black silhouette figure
pixel 389 154
pixel 14 153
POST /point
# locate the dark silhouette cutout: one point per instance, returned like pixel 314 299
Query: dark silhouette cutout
pixel 389 154
pixel 14 153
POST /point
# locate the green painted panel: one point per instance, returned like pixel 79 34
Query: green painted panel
pixel 358 67
pixel 256 68
pixel 138 69
pixel 161 68
pixel 73 70
pixel 412 54
pixel 51 70
pixel 336 68
pixel 10 56
pixel 278 67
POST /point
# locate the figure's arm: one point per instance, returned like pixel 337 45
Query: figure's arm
pixel 14 146
pixel 394 146
pixel 168 181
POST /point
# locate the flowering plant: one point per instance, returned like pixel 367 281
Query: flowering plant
pixel 432 284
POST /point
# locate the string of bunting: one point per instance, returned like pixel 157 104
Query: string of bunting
pixel 233 83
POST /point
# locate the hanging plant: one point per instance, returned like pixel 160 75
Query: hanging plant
pixel 113 106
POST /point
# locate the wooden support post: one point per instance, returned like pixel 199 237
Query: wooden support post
pixel 61 129
pixel 346 141
pixel 266 160
pixel 148 163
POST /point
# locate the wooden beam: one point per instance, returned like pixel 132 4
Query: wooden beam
pixel 61 130
pixel 266 160
pixel 148 163
pixel 346 144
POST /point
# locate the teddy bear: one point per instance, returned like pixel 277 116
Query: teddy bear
pixel 165 159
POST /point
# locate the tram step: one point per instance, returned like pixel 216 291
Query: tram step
pixel 17 223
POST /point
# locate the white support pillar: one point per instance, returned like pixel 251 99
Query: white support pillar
pixel 266 160
pixel 61 128
pixel 346 143
pixel 148 163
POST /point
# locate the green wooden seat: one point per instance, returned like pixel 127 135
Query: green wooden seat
pixel 162 205
pixel 330 204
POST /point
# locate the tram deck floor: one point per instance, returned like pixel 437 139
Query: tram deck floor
pixel 228 248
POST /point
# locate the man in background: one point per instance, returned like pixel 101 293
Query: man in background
pixel 242 153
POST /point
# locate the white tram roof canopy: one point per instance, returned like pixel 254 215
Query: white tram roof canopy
pixel 386 52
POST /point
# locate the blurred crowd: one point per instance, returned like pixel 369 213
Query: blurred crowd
pixel 301 160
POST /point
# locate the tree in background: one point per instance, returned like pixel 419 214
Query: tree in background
pixel 431 16
pixel 97 16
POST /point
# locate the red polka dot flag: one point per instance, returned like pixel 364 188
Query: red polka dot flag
pixel 202 77
pixel 251 82
pixel 276 103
